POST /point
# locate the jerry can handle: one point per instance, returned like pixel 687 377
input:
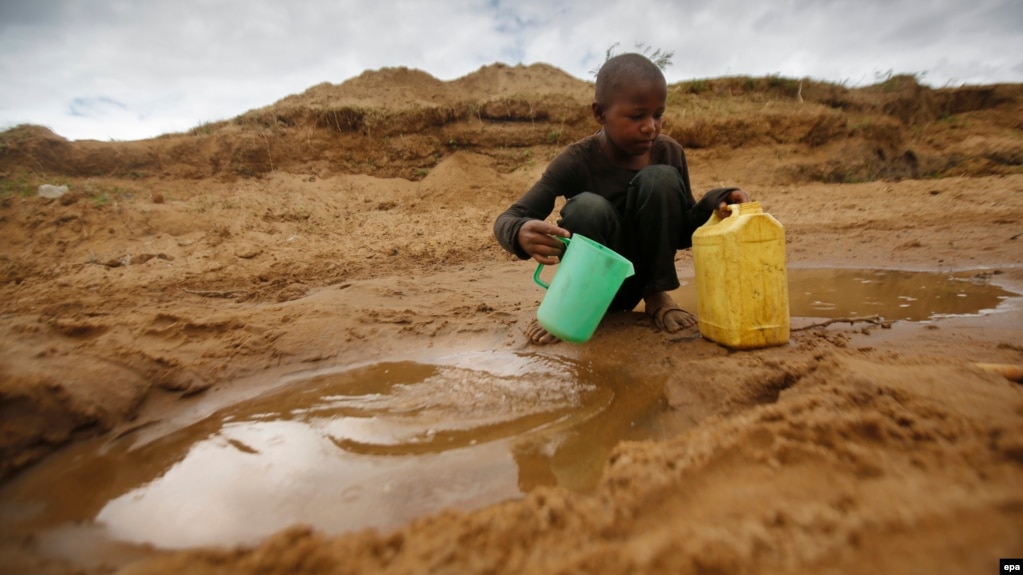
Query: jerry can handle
pixel 539 268
pixel 735 209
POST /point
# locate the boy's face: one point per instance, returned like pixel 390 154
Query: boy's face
pixel 633 118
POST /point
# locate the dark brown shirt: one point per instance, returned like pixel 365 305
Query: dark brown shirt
pixel 582 167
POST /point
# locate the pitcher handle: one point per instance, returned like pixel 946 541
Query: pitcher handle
pixel 539 268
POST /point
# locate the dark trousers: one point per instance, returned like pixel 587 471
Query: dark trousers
pixel 647 228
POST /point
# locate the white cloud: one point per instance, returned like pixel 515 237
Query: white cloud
pixel 174 65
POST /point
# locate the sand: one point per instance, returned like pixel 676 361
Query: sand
pixel 352 223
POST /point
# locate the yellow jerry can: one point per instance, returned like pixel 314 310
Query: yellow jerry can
pixel 742 292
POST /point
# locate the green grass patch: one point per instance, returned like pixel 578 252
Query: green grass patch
pixel 19 184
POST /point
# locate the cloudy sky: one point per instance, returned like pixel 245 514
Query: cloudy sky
pixel 133 69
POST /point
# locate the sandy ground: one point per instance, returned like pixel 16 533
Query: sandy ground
pixel 353 223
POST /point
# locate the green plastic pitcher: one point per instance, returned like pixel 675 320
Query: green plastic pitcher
pixel 587 279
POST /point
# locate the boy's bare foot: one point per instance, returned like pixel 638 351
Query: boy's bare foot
pixel 538 335
pixel 666 313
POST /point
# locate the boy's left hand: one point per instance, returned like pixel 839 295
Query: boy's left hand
pixel 734 197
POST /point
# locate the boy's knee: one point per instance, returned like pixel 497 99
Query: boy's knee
pixel 587 205
pixel 590 215
pixel 657 177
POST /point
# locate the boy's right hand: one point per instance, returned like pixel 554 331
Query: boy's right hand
pixel 733 197
pixel 540 240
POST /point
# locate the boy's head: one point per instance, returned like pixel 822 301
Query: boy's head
pixel 629 102
pixel 626 71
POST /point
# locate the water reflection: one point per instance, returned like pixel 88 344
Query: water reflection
pixel 368 447
pixel 371 446
pixel 892 294
pixel 254 478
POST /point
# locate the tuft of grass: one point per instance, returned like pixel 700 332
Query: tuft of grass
pixel 103 194
pixel 207 128
pixel 18 184
pixel 695 86
pixel 660 58
pixel 889 81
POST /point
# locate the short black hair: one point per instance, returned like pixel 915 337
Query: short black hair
pixel 622 69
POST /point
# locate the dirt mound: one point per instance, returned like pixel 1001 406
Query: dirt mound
pixel 401 87
pixel 398 122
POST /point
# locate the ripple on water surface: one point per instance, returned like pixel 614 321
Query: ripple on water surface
pixel 370 446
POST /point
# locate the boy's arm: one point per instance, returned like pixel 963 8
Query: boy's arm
pixel 702 210
pixel 536 204
pixel 709 203
pixel 562 174
pixel 735 196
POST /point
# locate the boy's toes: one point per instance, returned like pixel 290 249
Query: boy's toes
pixel 673 319
pixel 538 335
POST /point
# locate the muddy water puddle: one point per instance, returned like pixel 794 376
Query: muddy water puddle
pixel 369 446
pixel 895 295
pixel 377 445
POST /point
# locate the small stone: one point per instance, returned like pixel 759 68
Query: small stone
pixel 248 251
pixel 51 191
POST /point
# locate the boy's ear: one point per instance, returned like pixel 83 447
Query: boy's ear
pixel 598 112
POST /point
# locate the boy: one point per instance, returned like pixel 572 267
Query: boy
pixel 627 187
